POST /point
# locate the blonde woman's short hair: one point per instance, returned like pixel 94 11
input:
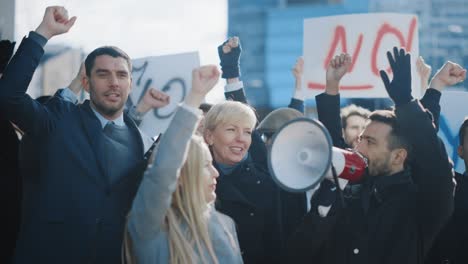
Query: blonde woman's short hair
pixel 230 112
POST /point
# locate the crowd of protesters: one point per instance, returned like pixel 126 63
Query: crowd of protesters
pixel 83 184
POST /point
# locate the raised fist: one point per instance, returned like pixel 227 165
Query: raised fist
pixel 55 22
pixel 152 99
pixel 450 74
pixel 338 67
pixel 204 78
pixel 229 53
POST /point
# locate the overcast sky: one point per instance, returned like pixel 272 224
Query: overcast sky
pixel 141 28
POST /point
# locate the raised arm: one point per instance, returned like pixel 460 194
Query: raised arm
pixel 431 97
pixel 154 196
pixel 449 74
pixel 297 100
pixel 152 99
pixel 73 90
pixel 229 54
pixel 430 166
pixel 328 103
pixel 424 71
pixel 75 86
pixel 17 106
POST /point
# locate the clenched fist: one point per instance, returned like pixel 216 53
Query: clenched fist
pixel 55 22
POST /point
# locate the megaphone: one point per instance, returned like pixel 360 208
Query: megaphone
pixel 302 155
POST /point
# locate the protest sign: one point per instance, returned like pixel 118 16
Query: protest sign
pixel 171 74
pixel 367 38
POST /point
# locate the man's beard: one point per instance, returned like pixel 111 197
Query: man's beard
pixel 380 167
pixel 109 111
pixel 103 109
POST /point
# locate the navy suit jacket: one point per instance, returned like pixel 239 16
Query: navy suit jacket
pixel 71 211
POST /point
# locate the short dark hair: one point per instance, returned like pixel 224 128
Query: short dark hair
pixel 463 129
pixel 396 139
pixel 106 50
pixel 352 110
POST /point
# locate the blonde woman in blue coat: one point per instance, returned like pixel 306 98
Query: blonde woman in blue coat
pixel 172 219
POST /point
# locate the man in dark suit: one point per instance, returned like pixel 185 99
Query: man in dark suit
pixel 92 155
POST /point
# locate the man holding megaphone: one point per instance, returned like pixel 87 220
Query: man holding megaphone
pixel 401 206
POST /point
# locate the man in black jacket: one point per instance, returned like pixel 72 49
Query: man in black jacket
pixel 450 246
pixel 400 209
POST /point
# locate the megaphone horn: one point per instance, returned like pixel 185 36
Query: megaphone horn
pixel 302 154
pixel 349 165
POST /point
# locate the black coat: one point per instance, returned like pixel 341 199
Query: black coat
pixel 11 189
pixel 451 246
pixel 251 198
pixel 396 218
pixel 328 111
pixel 265 215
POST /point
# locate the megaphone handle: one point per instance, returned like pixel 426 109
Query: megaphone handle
pixel 339 192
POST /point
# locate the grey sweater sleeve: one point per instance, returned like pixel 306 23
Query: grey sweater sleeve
pixel 154 195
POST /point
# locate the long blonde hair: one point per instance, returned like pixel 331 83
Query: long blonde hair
pixel 188 208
